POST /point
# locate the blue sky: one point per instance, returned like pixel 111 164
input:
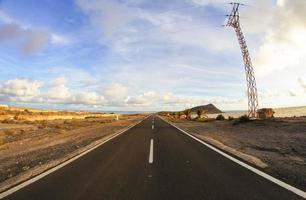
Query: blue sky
pixel 148 55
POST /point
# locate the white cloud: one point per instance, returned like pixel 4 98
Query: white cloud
pixel 58 92
pixel 5 18
pixel 115 92
pixel 251 23
pixel 171 101
pixel 81 76
pixel 114 95
pixel 89 98
pixel 145 99
pixel 205 2
pixel 20 90
pixel 108 16
pixel 283 46
pixel 302 84
pixel 55 92
pixel 189 31
pixel 21 87
pixel 176 28
pixel 59 81
pixel 59 39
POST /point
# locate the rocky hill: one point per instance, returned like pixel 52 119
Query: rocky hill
pixel 209 108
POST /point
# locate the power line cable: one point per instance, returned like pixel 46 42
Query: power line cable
pixel 191 6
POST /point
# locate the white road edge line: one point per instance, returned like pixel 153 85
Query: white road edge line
pixel 151 152
pixel 49 171
pixel 291 188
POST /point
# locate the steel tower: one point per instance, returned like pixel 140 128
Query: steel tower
pixel 234 22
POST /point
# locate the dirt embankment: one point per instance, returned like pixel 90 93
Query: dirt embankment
pixel 280 143
pixel 28 148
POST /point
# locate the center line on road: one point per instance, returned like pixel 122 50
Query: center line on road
pixel 152 126
pixel 151 152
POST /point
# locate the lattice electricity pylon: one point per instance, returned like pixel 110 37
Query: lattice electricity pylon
pixel 234 22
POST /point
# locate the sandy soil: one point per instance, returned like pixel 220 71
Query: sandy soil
pixel 279 112
pixel 280 143
pixel 29 148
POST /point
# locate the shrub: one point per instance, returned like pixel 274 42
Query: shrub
pixel 2 141
pixel 230 118
pixel 28 122
pixel 244 118
pixel 58 126
pixel 220 117
pixel 61 131
pixel 16 117
pixel 27 111
pixel 206 119
pixel 42 124
pixel 7 121
pixel 9 132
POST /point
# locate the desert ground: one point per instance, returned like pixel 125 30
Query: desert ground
pixel 30 146
pixel 277 145
pixel 279 112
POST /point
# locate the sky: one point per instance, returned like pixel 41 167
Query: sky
pixel 143 55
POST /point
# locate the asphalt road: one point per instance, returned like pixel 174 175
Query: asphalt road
pixel 146 163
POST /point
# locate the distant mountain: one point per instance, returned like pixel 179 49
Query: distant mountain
pixel 210 109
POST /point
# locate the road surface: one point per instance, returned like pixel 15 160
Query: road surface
pixel 152 160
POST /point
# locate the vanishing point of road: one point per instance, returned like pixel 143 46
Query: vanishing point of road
pixel 152 160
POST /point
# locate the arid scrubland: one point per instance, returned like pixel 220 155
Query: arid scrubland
pixel 277 145
pixel 29 147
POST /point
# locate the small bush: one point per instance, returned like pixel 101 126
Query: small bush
pixel 27 111
pixel 230 118
pixel 2 141
pixel 67 122
pixel 58 126
pixel 42 124
pixel 28 122
pixel 244 118
pixel 61 131
pixel 9 132
pixel 220 117
pixel 16 117
pixel 7 121
pixel 206 119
